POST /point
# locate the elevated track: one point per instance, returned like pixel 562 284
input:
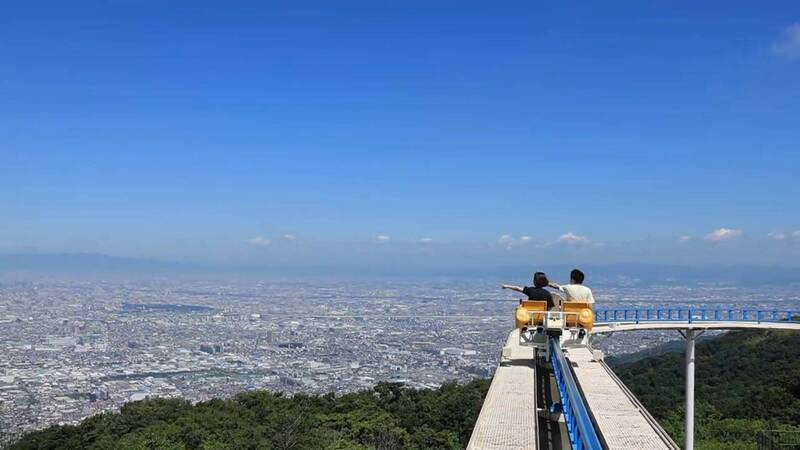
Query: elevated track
pixel 613 320
pixel 552 391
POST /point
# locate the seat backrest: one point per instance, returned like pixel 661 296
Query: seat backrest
pixel 535 309
pixel 572 311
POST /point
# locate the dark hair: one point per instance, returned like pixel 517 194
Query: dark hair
pixel 577 276
pixel 540 280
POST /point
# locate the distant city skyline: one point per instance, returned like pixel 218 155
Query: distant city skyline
pixel 416 134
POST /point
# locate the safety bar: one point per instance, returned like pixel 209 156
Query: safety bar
pixel 551 314
pixel 582 434
pixel 691 315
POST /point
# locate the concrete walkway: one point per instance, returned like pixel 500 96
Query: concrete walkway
pixel 508 418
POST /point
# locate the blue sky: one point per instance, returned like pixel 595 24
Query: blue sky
pixel 402 132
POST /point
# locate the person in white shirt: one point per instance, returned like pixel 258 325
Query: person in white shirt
pixel 575 291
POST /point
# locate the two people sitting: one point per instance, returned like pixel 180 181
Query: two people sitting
pixel 575 291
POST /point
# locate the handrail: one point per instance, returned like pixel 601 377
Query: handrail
pixel 582 434
pixel 691 315
pixel 549 314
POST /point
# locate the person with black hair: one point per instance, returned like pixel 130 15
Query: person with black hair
pixel 575 291
pixel 537 291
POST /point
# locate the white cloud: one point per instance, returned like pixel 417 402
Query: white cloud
pixel 796 234
pixel 776 235
pixel 509 241
pixel 723 234
pixel 788 46
pixel 572 239
pixel 259 241
pixel 289 237
pixel 684 238
pixel 426 240
pixel 382 238
pixel 506 240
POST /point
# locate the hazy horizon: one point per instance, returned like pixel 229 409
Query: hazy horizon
pixel 35 266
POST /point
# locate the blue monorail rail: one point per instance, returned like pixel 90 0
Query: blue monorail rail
pixel 582 434
pixel 694 315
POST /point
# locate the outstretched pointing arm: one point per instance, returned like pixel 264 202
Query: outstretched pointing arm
pixel 512 287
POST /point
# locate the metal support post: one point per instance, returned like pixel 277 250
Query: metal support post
pixel 690 336
pixel 689 390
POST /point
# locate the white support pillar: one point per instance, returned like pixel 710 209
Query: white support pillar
pixel 690 337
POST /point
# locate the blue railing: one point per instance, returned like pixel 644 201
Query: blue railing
pixel 694 315
pixel 582 434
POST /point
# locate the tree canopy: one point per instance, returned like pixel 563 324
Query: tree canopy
pixel 746 382
pixel 389 416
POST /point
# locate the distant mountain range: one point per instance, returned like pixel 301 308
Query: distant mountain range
pixel 646 273
pixel 616 274
pixel 86 263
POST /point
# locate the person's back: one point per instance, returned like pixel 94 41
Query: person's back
pixel 538 293
pixel 575 291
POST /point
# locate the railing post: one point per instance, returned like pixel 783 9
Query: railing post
pixel 716 315
pixel 689 390
pixel 637 316
pixel 690 315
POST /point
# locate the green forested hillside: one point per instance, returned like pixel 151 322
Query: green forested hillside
pixel 386 417
pixel 746 381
